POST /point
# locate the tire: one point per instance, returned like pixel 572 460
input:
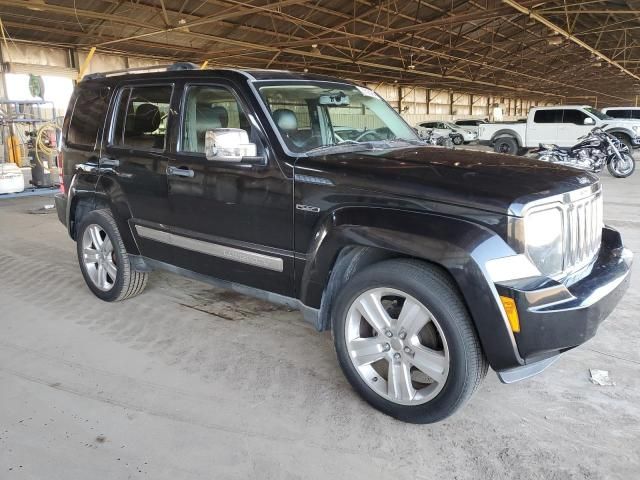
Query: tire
pixel 506 145
pixel 457 140
pixel 445 345
pixel 111 276
pixel 622 171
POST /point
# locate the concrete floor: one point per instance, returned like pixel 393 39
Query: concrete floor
pixel 189 382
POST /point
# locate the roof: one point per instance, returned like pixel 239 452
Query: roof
pixel 181 70
pixel 543 50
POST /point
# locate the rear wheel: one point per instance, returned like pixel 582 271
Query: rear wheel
pixel 104 261
pixel 405 341
pixel 507 145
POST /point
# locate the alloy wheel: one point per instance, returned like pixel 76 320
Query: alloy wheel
pixel 397 346
pixel 99 257
pixel 623 166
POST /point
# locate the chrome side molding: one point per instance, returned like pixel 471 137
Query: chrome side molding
pixel 221 251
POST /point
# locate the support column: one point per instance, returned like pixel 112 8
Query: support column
pixel 429 100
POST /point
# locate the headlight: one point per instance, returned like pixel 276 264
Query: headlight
pixel 543 239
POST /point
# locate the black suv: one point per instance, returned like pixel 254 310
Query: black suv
pixel 427 264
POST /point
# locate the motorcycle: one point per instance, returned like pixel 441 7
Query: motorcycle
pixel 592 152
pixel 432 138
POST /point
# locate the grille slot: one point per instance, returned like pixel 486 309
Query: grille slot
pixel 583 232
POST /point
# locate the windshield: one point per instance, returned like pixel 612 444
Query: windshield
pixel 315 116
pixel 598 114
pixel 452 126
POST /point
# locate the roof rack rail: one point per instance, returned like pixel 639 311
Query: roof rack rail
pixel 174 67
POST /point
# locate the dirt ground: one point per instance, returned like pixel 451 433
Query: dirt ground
pixel 190 382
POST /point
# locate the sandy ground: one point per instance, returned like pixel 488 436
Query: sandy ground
pixel 189 382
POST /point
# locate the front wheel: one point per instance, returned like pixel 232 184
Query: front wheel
pixel 457 140
pixel 104 261
pixel 621 168
pixel 405 341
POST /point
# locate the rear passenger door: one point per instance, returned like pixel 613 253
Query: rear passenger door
pixel 544 128
pixel 230 220
pixel 134 162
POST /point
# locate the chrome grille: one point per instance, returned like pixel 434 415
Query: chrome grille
pixel 583 231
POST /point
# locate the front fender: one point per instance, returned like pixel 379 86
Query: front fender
pixel 459 246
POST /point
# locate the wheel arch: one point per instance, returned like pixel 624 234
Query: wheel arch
pixel 619 131
pixel 506 132
pixel 460 248
pixel 102 195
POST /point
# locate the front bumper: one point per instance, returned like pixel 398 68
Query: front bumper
pixel 555 317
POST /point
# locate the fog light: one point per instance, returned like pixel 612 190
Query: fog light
pixel 511 310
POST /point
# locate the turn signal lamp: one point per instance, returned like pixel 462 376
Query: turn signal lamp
pixel 511 310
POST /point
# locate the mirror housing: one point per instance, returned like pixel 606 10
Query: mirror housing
pixel 589 121
pixel 228 145
pixel 336 100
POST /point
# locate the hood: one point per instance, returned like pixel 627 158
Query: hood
pixel 486 181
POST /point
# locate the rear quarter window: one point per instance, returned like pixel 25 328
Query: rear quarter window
pixel 619 113
pixel 87 117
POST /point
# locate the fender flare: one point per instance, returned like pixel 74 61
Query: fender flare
pixel 458 246
pixel 625 131
pixel 109 193
pixel 79 190
pixel 506 132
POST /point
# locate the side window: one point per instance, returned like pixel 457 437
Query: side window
pixel 548 116
pixel 635 114
pixel 574 116
pixel 87 117
pixel 619 113
pixel 141 117
pixel 208 108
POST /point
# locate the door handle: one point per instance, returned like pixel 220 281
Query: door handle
pixel 180 172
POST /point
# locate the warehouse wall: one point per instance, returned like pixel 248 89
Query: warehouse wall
pixel 418 104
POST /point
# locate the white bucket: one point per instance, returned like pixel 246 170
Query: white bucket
pixel 11 179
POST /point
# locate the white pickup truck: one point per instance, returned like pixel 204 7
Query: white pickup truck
pixel 561 125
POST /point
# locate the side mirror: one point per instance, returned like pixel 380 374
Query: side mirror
pixel 228 145
pixel 589 121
